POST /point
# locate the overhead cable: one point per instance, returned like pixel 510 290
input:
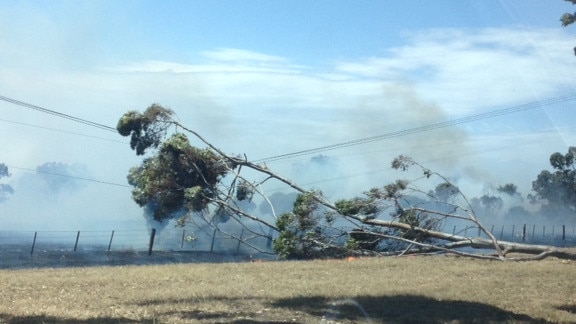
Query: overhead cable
pixel 425 128
pixel 57 114
pixel 69 176
pixel 60 130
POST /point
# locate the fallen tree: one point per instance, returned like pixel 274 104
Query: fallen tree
pixel 184 182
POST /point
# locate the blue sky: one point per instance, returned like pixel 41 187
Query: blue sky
pixel 266 78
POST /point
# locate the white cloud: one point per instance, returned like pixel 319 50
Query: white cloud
pixel 172 67
pixel 226 60
pixel 470 70
pixel 239 55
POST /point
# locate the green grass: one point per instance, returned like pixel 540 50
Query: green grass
pixel 383 290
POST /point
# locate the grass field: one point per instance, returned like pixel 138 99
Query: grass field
pixel 435 289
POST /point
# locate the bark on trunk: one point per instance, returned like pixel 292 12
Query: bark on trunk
pixel 538 252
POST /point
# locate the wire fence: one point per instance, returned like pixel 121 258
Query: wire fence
pixel 20 249
pixel 558 235
pixel 116 247
pixel 137 240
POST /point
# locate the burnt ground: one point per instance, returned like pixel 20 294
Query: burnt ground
pixel 19 257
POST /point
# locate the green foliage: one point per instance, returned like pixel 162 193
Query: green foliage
pixel 287 244
pixel 361 239
pixel 558 188
pixel 178 177
pixel 244 191
pixel 300 230
pixel 196 198
pixel 147 129
pixel 303 233
pixel 402 163
pixel 409 217
pixel 368 206
pixel 357 206
pixel 378 199
pixel 394 190
pixel 417 218
pixel 567 19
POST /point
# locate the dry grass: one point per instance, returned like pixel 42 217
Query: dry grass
pixel 386 290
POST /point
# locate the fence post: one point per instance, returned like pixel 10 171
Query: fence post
pixel 76 244
pixel 151 244
pixel 543 230
pixel 183 234
pixel 454 230
pixel 110 243
pixel 533 230
pixel 524 232
pixel 270 233
pixel 513 228
pixel 239 241
pixel 502 232
pixel 563 232
pixel 213 237
pixel 33 243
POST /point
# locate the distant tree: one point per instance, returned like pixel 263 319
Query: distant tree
pixel 58 176
pixel 568 19
pixel 4 170
pixel 509 188
pixel 487 205
pixel 5 189
pixel 557 189
pixel 445 191
pixel 518 213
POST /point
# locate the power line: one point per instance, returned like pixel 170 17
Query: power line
pixel 65 116
pixel 425 128
pixel 61 131
pixel 69 176
pixel 57 114
pixel 414 130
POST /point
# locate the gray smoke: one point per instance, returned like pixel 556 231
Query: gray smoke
pixel 60 196
pixel 57 177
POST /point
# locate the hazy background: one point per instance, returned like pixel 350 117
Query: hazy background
pixel 270 78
